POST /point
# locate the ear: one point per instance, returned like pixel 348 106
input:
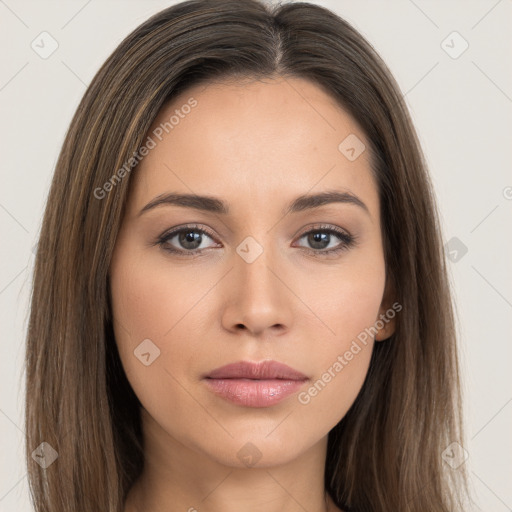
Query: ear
pixel 385 323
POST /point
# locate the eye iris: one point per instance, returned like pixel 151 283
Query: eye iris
pixel 190 237
pixel 319 238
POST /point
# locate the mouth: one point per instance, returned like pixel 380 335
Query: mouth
pixel 255 384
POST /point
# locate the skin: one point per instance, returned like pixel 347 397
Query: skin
pixel 256 145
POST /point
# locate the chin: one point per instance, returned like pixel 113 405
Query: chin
pixel 258 451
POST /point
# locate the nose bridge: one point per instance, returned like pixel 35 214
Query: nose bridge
pixel 258 297
pixel 255 263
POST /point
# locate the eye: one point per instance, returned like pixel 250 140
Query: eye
pixel 322 240
pixel 189 240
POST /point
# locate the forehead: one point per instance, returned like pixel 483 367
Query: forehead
pixel 266 110
pixel 260 136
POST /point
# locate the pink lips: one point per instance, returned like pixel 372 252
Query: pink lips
pixel 255 384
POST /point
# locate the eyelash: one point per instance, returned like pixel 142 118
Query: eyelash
pixel 347 240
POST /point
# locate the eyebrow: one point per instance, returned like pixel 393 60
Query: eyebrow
pixel 215 205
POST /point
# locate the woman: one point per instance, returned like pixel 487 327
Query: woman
pixel 240 295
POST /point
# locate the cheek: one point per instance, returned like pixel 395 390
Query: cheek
pixel 344 299
pixel 341 355
pixel 152 297
pixel 333 390
pixel 140 301
pixel 151 302
pixel 346 303
pixel 345 307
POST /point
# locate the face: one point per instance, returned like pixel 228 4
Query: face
pixel 196 286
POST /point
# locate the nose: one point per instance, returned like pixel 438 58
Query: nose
pixel 258 298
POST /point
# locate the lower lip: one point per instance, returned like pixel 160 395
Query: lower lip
pixel 254 393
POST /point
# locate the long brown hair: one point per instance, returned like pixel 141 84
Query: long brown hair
pixel 386 453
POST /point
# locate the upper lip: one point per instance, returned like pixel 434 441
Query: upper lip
pixel 259 371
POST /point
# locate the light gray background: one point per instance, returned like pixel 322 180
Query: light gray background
pixel 462 108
